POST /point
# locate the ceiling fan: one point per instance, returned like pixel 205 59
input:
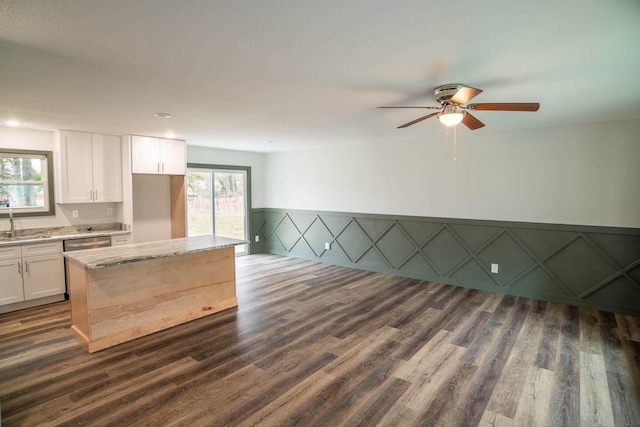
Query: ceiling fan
pixel 452 98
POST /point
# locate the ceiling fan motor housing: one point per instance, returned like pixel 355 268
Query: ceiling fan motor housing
pixel 444 93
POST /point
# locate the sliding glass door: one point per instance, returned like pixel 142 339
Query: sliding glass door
pixel 217 201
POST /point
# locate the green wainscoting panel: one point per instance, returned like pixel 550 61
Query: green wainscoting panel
pixel 597 267
pixel 258 225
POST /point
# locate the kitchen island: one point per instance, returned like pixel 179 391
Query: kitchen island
pixel 118 294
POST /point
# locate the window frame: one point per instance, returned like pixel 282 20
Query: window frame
pixel 50 208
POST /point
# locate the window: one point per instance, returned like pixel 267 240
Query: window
pixel 218 198
pixel 26 182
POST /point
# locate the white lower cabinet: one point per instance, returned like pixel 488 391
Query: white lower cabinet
pixel 121 240
pixel 11 289
pixel 32 271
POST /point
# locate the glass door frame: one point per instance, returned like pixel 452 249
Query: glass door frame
pixel 230 168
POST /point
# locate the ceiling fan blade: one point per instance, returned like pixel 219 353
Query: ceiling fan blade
pixel 431 108
pixel 413 122
pixel 505 106
pixel 470 121
pixel 464 95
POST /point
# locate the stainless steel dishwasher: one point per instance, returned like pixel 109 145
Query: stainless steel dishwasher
pixel 87 243
pixel 78 245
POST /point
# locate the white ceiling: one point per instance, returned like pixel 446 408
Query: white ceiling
pixel 237 74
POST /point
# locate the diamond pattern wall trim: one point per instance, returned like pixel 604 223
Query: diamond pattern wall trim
pixel 597 267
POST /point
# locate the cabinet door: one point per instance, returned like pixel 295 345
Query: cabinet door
pixel 107 168
pixel 145 154
pixel 174 159
pixel 43 276
pixel 76 167
pixel 11 283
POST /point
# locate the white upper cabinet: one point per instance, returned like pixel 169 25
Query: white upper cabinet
pixel 145 154
pixel 158 156
pixel 173 157
pixel 107 168
pixel 90 168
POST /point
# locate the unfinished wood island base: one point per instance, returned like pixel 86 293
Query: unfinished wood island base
pixel 122 293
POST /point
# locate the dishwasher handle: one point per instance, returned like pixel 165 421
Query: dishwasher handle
pixel 97 244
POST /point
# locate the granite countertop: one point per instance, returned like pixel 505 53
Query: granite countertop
pixel 43 235
pixel 116 255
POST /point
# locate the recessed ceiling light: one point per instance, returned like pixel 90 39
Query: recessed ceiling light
pixel 12 123
pixel 162 115
pixel 169 135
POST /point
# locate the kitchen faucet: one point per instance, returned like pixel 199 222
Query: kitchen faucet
pixel 13 230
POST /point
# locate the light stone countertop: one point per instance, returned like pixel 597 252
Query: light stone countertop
pixel 47 237
pixel 116 255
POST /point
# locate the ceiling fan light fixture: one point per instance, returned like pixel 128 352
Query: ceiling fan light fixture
pixel 451 116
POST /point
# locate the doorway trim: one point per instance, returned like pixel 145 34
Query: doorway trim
pixel 247 170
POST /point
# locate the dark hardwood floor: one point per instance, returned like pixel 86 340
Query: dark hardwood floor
pixel 314 344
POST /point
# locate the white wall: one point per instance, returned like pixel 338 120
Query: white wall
pixel 216 156
pixel 26 138
pixel 583 175
pixel 89 213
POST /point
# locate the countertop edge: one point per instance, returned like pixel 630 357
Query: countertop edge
pixel 36 240
pixel 79 257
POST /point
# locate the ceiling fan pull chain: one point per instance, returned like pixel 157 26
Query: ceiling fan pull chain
pixel 455 134
pixel 446 142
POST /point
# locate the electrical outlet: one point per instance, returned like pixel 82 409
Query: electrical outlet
pixel 74 213
pixel 327 246
pixel 494 268
pixel 109 211
pixel 257 238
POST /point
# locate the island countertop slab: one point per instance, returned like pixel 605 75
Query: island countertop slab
pixel 116 255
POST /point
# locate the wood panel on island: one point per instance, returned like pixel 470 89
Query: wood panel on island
pixel 118 294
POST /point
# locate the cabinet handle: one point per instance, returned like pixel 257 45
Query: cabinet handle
pixel 26 266
pixel 19 268
pixel 162 167
pixel 158 167
pixel 96 199
pixel 91 195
